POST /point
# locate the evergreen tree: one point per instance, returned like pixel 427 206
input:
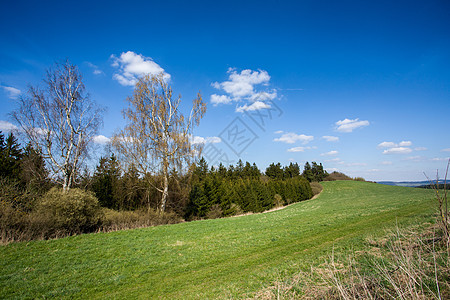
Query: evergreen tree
pixel 10 156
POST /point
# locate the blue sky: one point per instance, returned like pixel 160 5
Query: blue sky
pixel 362 87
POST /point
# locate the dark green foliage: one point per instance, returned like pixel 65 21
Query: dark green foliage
pixel 314 172
pixel 241 189
pixel 105 182
pixel 10 156
pixel 274 171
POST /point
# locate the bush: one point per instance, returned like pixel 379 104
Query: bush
pixel 113 220
pixel 316 188
pixel 64 213
pixel 337 176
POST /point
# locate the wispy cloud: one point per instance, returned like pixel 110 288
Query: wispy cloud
pixel 386 163
pixel 420 149
pixel 299 149
pixel 95 69
pixel 397 150
pixel 131 66
pixel 7 126
pixel 348 125
pixel 330 153
pixel 291 137
pixel 12 92
pixel 446 150
pixel 330 138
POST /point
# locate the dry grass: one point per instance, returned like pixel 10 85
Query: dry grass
pixel 406 264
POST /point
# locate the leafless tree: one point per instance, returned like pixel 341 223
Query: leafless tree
pixel 156 140
pixel 60 120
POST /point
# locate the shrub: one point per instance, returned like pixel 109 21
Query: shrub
pixel 61 213
pixel 117 220
pixel 316 188
pixel 359 179
pixel 337 176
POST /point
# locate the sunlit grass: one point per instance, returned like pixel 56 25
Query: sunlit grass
pixel 222 258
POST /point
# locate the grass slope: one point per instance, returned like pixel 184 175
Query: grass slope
pixel 220 258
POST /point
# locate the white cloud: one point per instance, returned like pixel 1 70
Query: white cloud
pixel 12 92
pixel 356 164
pixel 331 170
pixel 278 132
pixel 348 125
pixel 414 158
pixel 405 144
pixel 95 68
pixel 330 153
pixel 387 145
pixel 132 66
pixel 420 148
pixel 101 139
pixel 397 150
pixel 290 138
pixel 220 99
pixel 386 163
pixel 333 160
pixel 241 86
pixel 7 126
pixel 254 106
pixel 330 138
pixel 440 159
pixel 299 149
pixel 202 140
pixel 446 150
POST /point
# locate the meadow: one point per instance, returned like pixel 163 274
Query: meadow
pixel 232 257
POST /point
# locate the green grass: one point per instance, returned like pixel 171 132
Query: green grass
pixel 222 258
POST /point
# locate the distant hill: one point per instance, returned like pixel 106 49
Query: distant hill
pixel 409 183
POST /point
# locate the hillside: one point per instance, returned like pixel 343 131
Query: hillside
pixel 232 257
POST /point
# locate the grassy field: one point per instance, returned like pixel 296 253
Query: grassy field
pixel 222 258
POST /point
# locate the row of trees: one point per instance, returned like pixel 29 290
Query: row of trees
pixel 221 191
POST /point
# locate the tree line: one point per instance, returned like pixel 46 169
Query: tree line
pixel 151 166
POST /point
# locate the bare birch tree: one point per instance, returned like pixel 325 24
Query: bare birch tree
pixel 60 120
pixel 156 140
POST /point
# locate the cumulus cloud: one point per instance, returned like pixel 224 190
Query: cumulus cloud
pixel 131 66
pixel 101 139
pixel 12 92
pixel 330 138
pixel 330 153
pixel 291 137
pixel 397 150
pixel 7 126
pixel 252 107
pixel 241 86
pixel 348 125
